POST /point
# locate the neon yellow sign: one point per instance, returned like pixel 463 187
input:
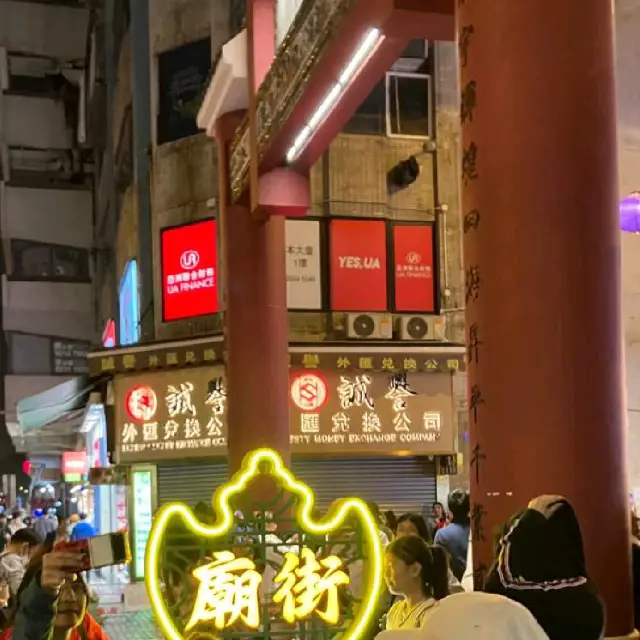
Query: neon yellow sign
pixel 304 581
pixel 228 592
pixel 306 584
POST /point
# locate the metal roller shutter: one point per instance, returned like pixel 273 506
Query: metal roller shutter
pixel 399 483
pixel 191 482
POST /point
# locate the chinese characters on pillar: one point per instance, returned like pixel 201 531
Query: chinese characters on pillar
pixel 475 275
pixel 307 585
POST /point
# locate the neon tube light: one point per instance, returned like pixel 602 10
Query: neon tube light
pixel 365 49
pixel 340 513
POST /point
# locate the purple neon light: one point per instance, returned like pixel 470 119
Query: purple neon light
pixel 630 213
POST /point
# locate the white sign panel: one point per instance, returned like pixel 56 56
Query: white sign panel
pixel 304 287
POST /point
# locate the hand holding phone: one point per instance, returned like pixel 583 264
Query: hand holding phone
pixel 58 566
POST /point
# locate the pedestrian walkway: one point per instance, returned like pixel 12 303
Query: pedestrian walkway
pixel 131 625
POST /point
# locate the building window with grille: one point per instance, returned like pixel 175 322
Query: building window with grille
pixel 39 261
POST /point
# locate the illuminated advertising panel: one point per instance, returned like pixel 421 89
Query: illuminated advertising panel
pixel 129 303
pixel 358 265
pixel 189 271
pixel 413 268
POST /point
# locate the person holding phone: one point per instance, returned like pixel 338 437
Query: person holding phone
pixel 52 601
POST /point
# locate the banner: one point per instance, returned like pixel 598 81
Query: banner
pixel 413 266
pixel 358 259
pixel 304 288
pixel 189 270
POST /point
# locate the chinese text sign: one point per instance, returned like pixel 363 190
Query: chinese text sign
pixel 358 265
pixel 142 517
pixel 304 288
pixel 413 267
pixel 189 271
pixel 182 414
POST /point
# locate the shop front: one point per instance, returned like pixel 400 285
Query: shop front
pixel 365 422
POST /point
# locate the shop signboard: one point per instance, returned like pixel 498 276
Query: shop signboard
pixel 209 351
pixel 182 414
pixel 413 268
pixel 189 270
pixel 306 581
pixel 142 492
pixel 75 464
pixel 358 265
pixel 70 357
pixel 304 282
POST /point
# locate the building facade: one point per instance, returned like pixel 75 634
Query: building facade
pixel 402 327
pixel 46 212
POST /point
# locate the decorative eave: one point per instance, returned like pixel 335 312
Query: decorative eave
pixel 319 46
pixel 229 87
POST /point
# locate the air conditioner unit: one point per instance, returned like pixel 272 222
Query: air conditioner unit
pixel 370 326
pixel 422 328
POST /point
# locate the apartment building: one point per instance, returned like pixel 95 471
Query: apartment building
pixel 46 216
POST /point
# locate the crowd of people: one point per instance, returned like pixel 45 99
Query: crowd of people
pixel 537 587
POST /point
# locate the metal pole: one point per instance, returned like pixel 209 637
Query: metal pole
pixel 109 156
pixel 141 108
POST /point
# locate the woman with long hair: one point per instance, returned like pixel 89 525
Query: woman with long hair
pixel 419 573
pixel 52 601
pixel 540 563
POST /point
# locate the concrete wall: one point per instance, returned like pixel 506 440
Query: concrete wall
pixel 56 216
pixel 42 29
pixel 34 122
pixel 49 308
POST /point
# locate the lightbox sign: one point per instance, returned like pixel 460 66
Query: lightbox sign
pixel 109 334
pixel 306 580
pixel 75 464
pixel 413 268
pixel 142 490
pixel 189 271
pixel 129 303
pixel 304 283
pixel 358 265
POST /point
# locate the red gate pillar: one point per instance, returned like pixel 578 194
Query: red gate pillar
pixel 542 260
pixel 255 325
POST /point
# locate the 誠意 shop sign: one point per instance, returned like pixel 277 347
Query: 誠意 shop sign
pixel 182 413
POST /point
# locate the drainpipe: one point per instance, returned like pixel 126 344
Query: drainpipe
pixel 109 161
pixel 141 108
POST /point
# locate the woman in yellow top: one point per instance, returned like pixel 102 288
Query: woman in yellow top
pixel 420 573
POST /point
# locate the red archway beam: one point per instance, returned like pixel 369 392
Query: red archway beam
pixel 309 63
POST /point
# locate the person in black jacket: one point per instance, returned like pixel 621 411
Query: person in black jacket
pixel 540 563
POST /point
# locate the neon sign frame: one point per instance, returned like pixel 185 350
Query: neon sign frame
pixel 337 515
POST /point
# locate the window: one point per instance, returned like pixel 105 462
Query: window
pixel 29 355
pixel 35 355
pixel 39 261
pixel 399 105
pixel 408 107
pixel 182 78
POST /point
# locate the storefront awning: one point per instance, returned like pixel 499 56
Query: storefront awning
pixel 58 404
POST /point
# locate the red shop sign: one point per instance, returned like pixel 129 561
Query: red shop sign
pixel 75 463
pixel 358 265
pixel 189 271
pixel 413 268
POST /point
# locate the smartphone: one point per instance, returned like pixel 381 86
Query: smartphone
pixel 108 550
